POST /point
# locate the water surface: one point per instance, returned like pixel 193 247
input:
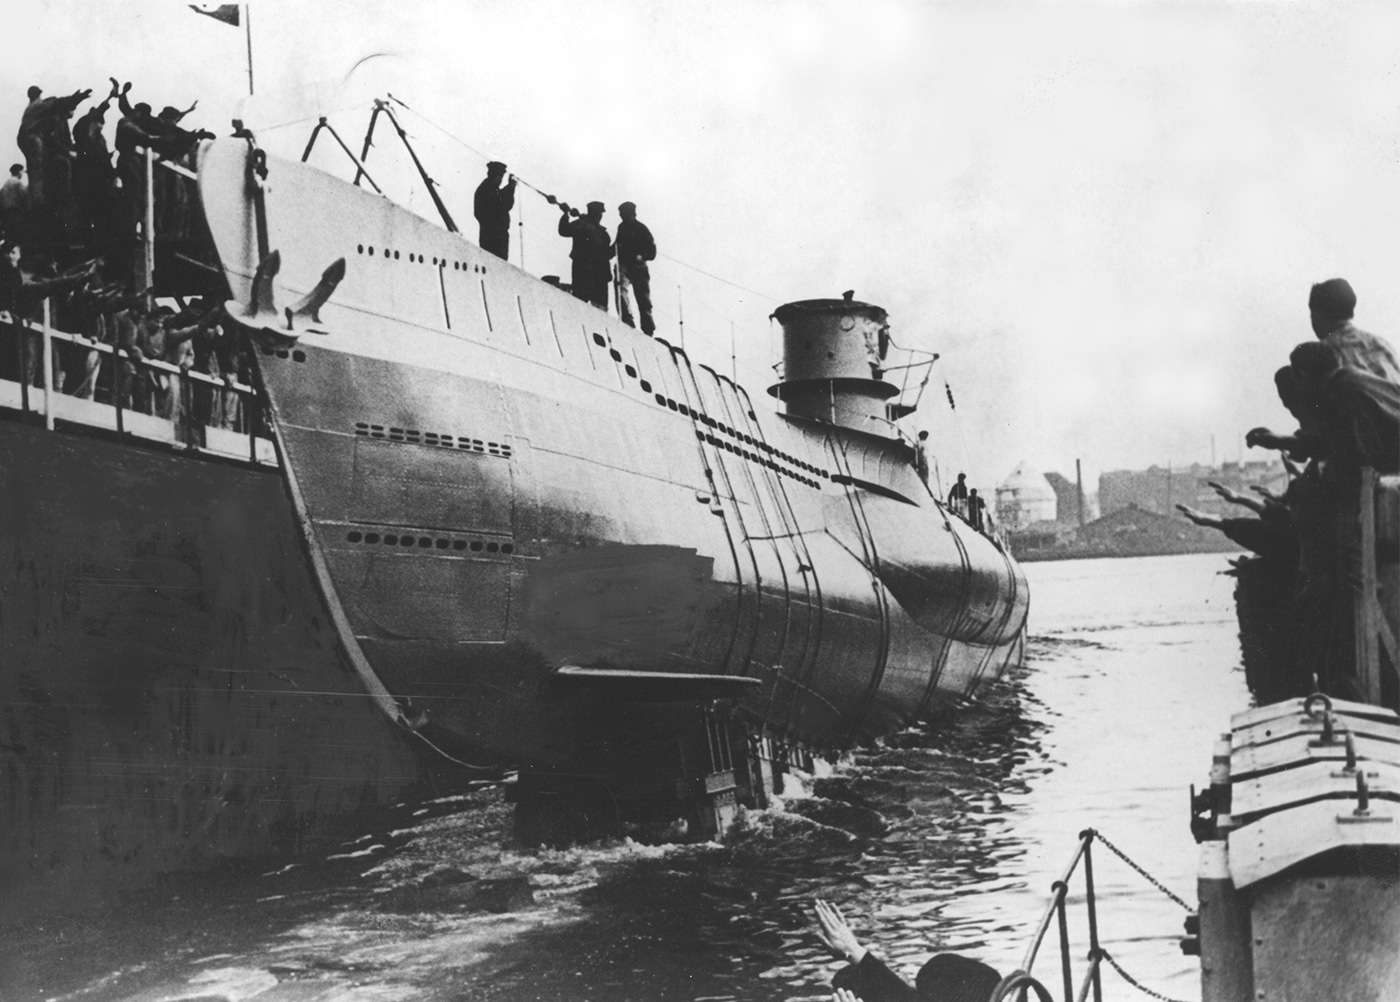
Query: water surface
pixel 939 839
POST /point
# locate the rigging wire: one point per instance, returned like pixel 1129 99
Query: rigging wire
pixel 554 200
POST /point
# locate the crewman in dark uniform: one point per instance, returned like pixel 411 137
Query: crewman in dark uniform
pixel 493 205
pixel 957 497
pixel 591 254
pixel 976 510
pixel 635 247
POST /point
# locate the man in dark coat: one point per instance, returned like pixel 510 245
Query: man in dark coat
pixel 947 977
pixel 36 129
pixel 635 247
pixel 591 254
pixel 493 205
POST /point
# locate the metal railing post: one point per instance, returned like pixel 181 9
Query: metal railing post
pixel 118 384
pixel 1062 892
pixel 148 236
pixel 47 348
pixel 1088 836
pixel 22 335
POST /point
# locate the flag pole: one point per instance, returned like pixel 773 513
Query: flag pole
pixel 248 28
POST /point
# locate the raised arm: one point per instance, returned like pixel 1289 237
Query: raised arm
pixel 835 933
pixel 1235 497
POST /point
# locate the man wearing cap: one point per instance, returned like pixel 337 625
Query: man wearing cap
pixel 635 247
pixel 1345 392
pixel 591 254
pixel 493 205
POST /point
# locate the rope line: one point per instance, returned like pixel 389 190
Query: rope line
pixel 554 200
pixel 1150 879
pixel 1132 980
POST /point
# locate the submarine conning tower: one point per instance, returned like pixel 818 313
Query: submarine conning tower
pixel 833 357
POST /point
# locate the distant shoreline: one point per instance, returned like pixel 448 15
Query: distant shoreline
pixel 1084 553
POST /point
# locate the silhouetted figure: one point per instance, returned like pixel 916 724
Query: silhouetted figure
pixel 1344 391
pixel 492 205
pixel 137 130
pixel 921 457
pixel 946 977
pixel 94 175
pixel 957 495
pixel 44 120
pixel 976 508
pixel 1271 540
pixel 14 202
pixel 635 247
pixel 591 252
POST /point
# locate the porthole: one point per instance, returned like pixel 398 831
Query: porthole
pixel 386 251
pixel 353 537
pixel 443 544
pixel 492 547
pixel 425 542
pixel 507 548
pixel 391 540
pixel 371 250
pixel 630 371
pixel 646 387
pixel 371 537
pixel 598 340
pixel 459 544
pixel 406 540
pixel 359 248
pixel 396 255
pixel 661 400
pixel 476 546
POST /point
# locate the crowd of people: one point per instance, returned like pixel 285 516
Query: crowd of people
pixel 1344 391
pixel 593 248
pixel 75 197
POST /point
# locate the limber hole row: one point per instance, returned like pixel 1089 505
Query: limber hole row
pixel 686 411
pixel 412 541
pixel 412 436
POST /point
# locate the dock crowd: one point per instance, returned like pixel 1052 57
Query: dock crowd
pixel 76 203
pixel 1344 391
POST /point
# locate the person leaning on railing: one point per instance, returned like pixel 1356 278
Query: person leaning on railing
pixel 946 977
pixel 22 292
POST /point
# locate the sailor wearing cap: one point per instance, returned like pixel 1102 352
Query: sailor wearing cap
pixel 635 247
pixel 591 253
pixel 492 206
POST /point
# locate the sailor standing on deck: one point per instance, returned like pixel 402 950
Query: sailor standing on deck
pixel 957 496
pixel 591 254
pixel 492 206
pixel 635 247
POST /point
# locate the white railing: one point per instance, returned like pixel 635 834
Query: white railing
pixel 242 437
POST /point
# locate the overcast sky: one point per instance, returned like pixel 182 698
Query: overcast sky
pixel 1105 217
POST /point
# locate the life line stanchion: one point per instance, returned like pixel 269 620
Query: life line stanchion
pixel 47 348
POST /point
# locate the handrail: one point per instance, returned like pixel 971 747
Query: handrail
pixel 1019 980
pixel 186 430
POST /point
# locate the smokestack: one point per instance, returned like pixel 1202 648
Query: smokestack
pixel 1079 485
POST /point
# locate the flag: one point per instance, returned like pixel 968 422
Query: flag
pixel 225 12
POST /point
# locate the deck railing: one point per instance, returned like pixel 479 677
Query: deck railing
pixel 1018 982
pixel 183 427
